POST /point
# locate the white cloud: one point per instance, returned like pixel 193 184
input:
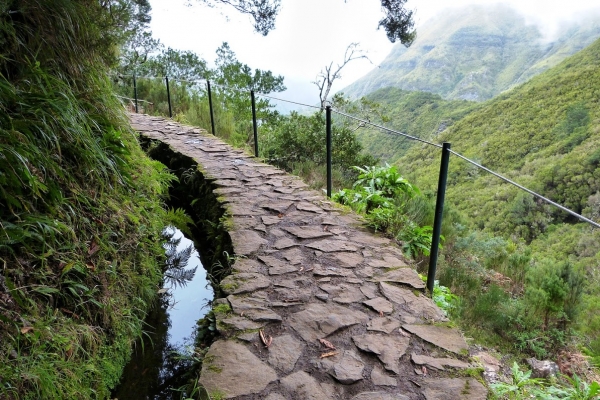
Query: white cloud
pixel 311 33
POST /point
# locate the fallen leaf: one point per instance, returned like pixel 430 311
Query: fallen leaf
pixel 327 343
pixel 267 340
pixel 403 333
pixel 93 249
pixel 328 354
pixel 26 329
pixel 280 215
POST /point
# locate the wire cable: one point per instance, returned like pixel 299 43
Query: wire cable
pixel 573 213
pixel 387 129
pixel 287 101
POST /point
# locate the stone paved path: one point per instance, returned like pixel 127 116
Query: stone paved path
pixel 346 313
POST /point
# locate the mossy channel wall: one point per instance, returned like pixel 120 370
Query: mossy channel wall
pixel 193 192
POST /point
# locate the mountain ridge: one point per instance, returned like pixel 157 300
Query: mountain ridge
pixel 490 49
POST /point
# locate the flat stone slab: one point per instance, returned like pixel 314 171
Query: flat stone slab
pixel 255 309
pixel 270 219
pixel 348 368
pixel 303 386
pixel 246 242
pixel 246 265
pixel 284 352
pixel 349 259
pixel 277 206
pixel 329 246
pixel 441 336
pixel 438 363
pixel 309 207
pixel 406 276
pixel 320 320
pixel 276 266
pixel 244 282
pixel 454 389
pixel 380 396
pixel 380 378
pixel 380 305
pixel 383 324
pixel 331 271
pixel 307 232
pixel 231 368
pixel 419 306
pixel 236 323
pixel 293 255
pixel 284 243
pixel 387 348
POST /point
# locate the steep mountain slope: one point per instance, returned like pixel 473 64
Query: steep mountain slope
pixel 474 53
pixel 419 114
pixel 544 134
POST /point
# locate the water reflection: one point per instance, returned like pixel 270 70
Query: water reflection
pixel 157 366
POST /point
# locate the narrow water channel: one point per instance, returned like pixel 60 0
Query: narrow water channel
pixel 160 362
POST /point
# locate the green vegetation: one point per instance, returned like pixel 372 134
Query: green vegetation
pixel 526 273
pixel 523 386
pixel 80 204
pixel 419 114
pixel 388 202
pixel 475 53
pixel 231 82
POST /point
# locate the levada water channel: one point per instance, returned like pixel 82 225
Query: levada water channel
pixel 162 360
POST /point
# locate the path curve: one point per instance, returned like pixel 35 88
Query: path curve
pixel 345 314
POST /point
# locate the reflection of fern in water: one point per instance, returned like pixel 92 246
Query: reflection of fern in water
pixel 176 262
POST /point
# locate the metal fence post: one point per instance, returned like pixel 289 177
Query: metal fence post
pixel 439 211
pixel 254 126
pixel 169 97
pixel 328 134
pixel 135 93
pixel 210 106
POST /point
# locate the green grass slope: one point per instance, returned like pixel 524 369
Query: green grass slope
pixel 474 53
pixel 420 114
pixel 545 134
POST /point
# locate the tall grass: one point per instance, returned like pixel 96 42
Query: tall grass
pixel 80 205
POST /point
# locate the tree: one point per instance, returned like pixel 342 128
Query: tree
pixel 328 75
pixel 397 22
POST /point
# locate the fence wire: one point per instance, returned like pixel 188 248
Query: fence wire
pixel 389 131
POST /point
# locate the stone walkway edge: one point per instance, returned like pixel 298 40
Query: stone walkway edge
pixel 317 306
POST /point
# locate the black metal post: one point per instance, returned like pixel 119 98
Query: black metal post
pixel 210 106
pixel 169 97
pixel 328 130
pixel 439 211
pixel 135 94
pixel 254 126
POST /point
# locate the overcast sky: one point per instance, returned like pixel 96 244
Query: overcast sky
pixel 311 33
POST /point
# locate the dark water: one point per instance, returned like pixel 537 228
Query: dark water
pixel 161 362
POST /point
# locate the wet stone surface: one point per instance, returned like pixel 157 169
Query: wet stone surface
pixel 346 313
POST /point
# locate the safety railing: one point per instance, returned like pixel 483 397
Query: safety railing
pixel 445 147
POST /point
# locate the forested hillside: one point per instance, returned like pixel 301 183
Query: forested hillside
pixel 420 114
pixel 545 135
pixel 475 53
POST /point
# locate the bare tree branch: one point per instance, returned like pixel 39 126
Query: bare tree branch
pixel 327 76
